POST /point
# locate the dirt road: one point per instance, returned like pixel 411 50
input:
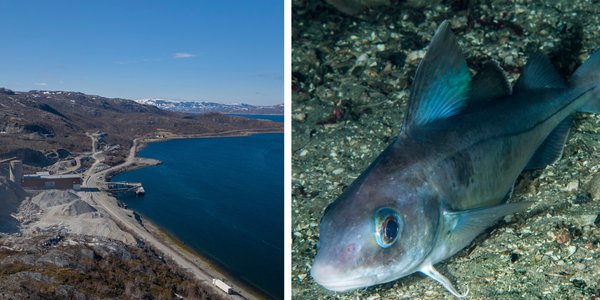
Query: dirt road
pixel 94 180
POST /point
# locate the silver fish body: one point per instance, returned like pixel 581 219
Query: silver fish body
pixel 450 172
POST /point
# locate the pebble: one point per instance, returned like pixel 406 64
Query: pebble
pixel 562 236
pixel 301 276
pixel 300 116
pixel 303 152
pixel 362 60
pixel 338 171
pixel 594 187
pixel 415 56
pixel 579 266
pixel 572 186
pixel 586 219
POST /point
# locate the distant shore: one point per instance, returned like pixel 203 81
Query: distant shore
pixel 215 269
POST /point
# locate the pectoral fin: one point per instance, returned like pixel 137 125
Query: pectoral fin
pixel 464 226
pixel 430 271
pixel 461 227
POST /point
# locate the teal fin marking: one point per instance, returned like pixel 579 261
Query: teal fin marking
pixel 441 83
pixel 489 84
pixel 589 71
pixel 593 105
pixel 538 73
pixel 588 75
pixel 462 227
pixel 552 148
pixel 430 271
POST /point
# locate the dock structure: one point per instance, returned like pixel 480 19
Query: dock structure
pixel 135 188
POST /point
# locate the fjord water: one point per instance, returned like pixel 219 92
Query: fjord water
pixel 223 197
pixel 274 118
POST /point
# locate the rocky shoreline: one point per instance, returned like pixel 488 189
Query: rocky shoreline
pixel 56 230
pixel 67 248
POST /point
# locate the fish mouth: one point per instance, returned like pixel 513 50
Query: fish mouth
pixel 343 285
pixel 327 277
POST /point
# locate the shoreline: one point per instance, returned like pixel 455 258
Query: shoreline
pixel 203 259
pixel 203 262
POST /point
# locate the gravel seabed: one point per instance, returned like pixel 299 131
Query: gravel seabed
pixel 350 85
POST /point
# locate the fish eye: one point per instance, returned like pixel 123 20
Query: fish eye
pixel 387 227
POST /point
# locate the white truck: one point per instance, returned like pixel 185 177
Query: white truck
pixel 222 285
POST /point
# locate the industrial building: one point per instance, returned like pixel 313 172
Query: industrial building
pixel 43 180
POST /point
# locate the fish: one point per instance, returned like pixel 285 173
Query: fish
pixel 450 172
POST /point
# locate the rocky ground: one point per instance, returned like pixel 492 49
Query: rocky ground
pixel 55 245
pixel 65 266
pixel 350 83
pixel 64 211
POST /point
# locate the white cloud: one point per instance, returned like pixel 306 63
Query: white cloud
pixel 183 55
pixel 40 83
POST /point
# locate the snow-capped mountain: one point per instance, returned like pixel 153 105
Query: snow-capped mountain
pixel 205 107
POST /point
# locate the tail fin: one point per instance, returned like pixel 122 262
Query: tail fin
pixel 588 74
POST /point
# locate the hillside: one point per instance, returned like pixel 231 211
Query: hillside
pixel 41 126
pixel 206 107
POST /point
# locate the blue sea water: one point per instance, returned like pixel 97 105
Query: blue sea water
pixel 275 118
pixel 223 197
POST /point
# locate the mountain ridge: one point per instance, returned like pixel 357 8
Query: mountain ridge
pixel 206 107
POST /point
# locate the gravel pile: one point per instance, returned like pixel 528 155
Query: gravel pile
pixel 350 83
pixel 50 198
pixel 75 208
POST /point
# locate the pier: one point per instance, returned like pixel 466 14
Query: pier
pixel 135 188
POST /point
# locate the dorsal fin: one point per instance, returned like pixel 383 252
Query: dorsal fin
pixel 441 83
pixel 538 73
pixel 489 84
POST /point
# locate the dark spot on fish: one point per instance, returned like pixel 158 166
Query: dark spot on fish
pixel 464 168
pixel 597 221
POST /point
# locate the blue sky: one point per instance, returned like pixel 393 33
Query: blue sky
pixel 222 51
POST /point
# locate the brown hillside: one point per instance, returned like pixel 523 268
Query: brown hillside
pixel 37 126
